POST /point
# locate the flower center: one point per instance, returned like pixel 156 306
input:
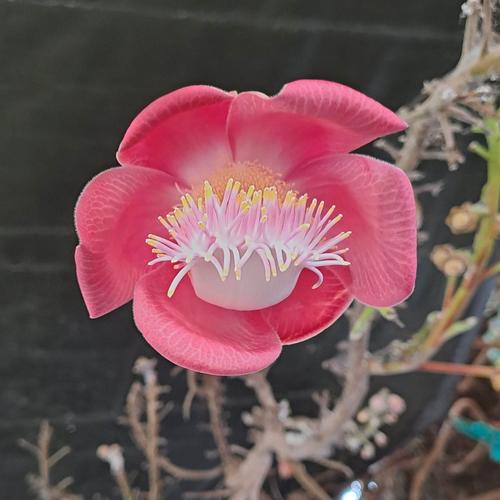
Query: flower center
pixel 245 242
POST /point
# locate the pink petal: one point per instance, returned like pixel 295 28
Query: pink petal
pixel 199 336
pixel 114 214
pixel 378 205
pixel 307 312
pixel 182 133
pixel 307 119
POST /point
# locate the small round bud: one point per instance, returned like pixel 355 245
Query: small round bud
pixel 378 402
pixel 440 254
pixel 462 219
pixel 285 471
pixel 380 439
pixel 367 451
pixel 396 404
pixel 455 266
pixel 449 260
pixel 363 416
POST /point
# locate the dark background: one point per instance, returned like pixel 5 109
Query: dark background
pixel 73 75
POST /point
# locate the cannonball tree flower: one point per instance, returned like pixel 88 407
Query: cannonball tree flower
pixel 240 223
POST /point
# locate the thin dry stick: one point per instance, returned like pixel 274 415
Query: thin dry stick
pixel 307 482
pixel 334 465
pixel 466 383
pixel 40 483
pixel 444 435
pixel 212 390
pixel 490 495
pixel 193 390
pixel 137 398
pixel 478 452
pixel 188 474
pixel 113 455
pixel 152 434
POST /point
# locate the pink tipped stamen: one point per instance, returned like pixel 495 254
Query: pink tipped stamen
pixel 227 231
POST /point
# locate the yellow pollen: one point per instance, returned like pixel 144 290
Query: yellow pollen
pixel 249 176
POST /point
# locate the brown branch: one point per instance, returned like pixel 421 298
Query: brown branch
pixel 490 495
pixel 188 474
pixel 308 482
pixel 40 484
pixel 212 390
pixel 192 391
pixel 152 435
pixel 113 455
pixel 444 435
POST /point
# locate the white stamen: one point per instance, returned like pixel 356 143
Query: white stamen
pixel 227 232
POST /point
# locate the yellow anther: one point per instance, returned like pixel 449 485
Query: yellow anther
pixel 245 206
pixel 184 202
pixel 302 200
pixel 237 272
pixel 263 214
pixel 337 218
pixel 241 197
pixel 189 199
pixel 283 267
pixel 178 213
pixel 290 196
pixel 200 203
pixel 257 197
pixel 237 186
pixel 163 222
pixel 250 191
pixel 172 220
pixel 229 184
pixel 151 243
pixel 305 226
pixel 330 211
pixel 207 190
pixel 269 194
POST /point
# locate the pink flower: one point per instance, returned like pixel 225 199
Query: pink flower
pixel 251 253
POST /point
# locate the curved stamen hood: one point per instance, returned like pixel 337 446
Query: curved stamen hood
pixel 221 241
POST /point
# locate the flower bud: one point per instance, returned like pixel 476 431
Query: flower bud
pixel 367 451
pixel 455 265
pixel 462 219
pixel 449 260
pixel 440 254
pixel 285 470
pixel 380 439
pixel 363 416
pixel 396 404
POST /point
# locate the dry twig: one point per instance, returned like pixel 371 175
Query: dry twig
pixel 40 483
